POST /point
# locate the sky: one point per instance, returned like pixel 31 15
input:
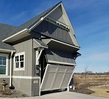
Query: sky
pixel 89 18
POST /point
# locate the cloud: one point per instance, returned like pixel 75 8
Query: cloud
pixel 96 62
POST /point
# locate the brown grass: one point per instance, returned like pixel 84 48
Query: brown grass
pixel 91 82
pixel 100 91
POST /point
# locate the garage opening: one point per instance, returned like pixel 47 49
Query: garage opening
pixel 56 69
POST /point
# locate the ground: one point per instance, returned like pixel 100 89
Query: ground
pixel 11 94
pixel 93 84
pixel 100 91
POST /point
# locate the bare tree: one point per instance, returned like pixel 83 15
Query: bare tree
pixel 85 73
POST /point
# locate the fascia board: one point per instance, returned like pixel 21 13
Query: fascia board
pixel 63 63
pixel 7 50
pixel 70 25
pixel 62 43
pixel 16 34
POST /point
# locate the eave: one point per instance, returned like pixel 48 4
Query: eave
pixel 17 36
pixel 55 44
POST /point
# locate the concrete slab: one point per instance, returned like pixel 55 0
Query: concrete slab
pixel 62 95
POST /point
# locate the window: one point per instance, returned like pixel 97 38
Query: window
pixel 3 64
pixel 20 61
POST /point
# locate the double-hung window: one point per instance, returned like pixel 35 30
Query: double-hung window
pixel 19 61
pixel 3 64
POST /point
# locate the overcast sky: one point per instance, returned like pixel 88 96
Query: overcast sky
pixel 90 20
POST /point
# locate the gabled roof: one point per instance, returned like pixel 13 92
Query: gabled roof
pixel 5 30
pixel 33 21
pixel 5 46
pixel 24 30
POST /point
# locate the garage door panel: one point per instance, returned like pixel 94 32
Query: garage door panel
pixel 48 81
pixel 61 69
pixel 66 80
pixel 69 70
pixel 56 77
pixel 58 80
pixel 52 69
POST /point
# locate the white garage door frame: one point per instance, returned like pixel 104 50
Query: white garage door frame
pixel 64 72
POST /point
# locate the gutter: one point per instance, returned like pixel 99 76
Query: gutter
pixel 16 34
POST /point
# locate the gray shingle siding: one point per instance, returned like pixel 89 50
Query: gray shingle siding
pixel 6 30
pixel 6 46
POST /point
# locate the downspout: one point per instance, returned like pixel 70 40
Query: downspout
pixel 10 82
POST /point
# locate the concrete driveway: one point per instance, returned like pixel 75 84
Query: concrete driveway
pixel 63 95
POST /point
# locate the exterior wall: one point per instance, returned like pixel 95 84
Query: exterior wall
pixel 34 63
pixel 53 31
pixel 57 15
pixel 23 85
pixel 35 87
pixel 27 85
pixel 23 79
pixel 25 46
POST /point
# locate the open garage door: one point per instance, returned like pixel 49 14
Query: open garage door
pixel 56 77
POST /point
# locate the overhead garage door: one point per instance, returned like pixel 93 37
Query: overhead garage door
pixel 56 77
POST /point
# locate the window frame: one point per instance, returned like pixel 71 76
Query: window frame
pixel 5 55
pixel 19 67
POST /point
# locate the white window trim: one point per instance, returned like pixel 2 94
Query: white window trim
pixel 6 55
pixel 18 54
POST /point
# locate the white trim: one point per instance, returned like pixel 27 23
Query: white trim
pixel 63 63
pixel 39 86
pixel 24 30
pixel 39 55
pixel 63 43
pixel 4 76
pixel 70 79
pixel 7 59
pixel 19 69
pixel 36 24
pixel 25 77
pixel 7 50
pixel 19 77
pixel 44 76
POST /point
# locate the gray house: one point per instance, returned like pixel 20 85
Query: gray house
pixel 40 54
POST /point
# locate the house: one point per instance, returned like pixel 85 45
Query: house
pixel 40 54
